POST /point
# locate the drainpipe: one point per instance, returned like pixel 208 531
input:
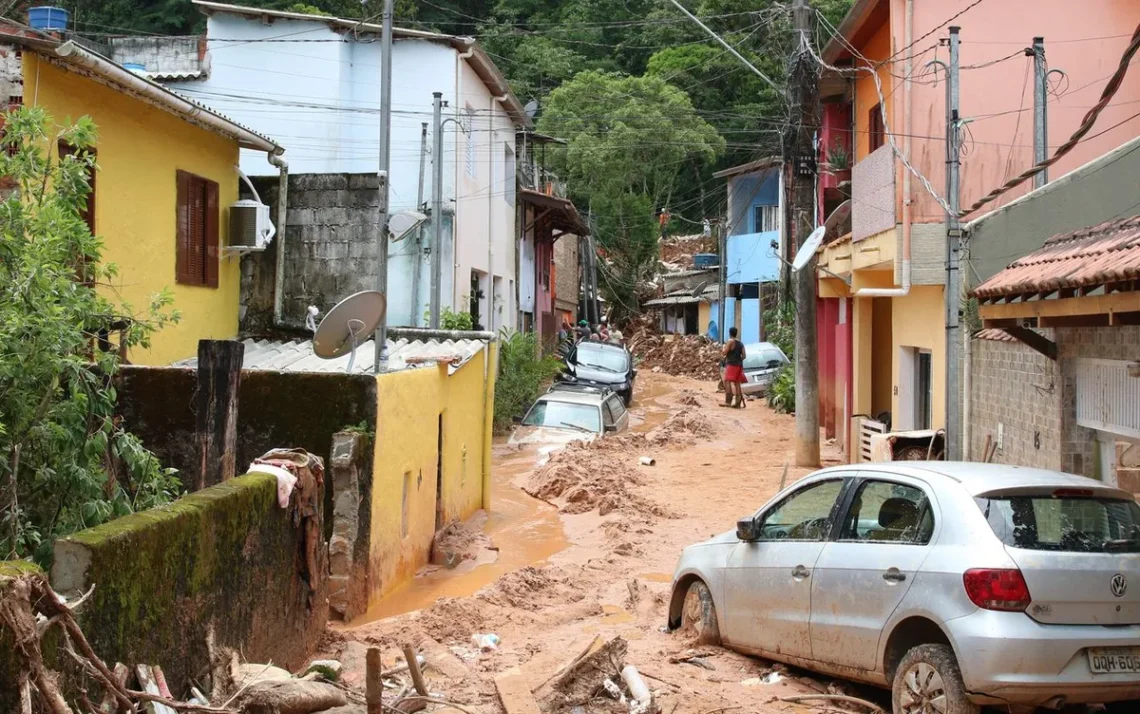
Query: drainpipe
pixel 279 272
pixel 905 288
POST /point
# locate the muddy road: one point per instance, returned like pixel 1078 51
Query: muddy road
pixel 593 555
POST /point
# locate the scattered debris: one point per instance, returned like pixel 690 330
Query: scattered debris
pixel 295 696
pixel 679 355
pixel 638 690
pixel 330 669
pixel 485 642
pixel 514 693
pixel 579 680
pixel 818 699
pixel 459 541
pixel 647 461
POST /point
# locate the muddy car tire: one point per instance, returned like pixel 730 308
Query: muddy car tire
pixel 926 674
pixel 698 615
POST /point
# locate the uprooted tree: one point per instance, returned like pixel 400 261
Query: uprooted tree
pixel 65 464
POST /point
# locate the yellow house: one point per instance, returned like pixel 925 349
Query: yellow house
pixel 160 198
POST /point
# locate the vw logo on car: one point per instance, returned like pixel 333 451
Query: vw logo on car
pixel 1118 585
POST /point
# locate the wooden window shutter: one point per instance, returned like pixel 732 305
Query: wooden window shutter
pixel 182 272
pixel 88 212
pixel 211 251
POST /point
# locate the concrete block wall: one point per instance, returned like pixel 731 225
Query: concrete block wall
pixel 161 54
pixel 1021 390
pixel 350 474
pixel 330 247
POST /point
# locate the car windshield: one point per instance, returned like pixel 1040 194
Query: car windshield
pixel 759 359
pixel 605 358
pixel 1070 524
pixel 565 415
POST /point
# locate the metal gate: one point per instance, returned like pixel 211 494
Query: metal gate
pixel 1108 398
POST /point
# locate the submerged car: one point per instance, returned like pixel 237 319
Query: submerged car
pixel 601 364
pixel 762 360
pixel 569 413
pixel 956 585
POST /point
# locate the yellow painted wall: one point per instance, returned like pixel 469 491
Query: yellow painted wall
pixel 877 47
pixel 411 405
pixel 918 322
pixel 861 333
pixel 139 150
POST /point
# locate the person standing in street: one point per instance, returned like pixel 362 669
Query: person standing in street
pixel 733 370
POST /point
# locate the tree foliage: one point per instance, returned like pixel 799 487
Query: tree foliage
pixel 66 463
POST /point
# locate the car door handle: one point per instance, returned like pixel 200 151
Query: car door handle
pixel 894 576
pixel 800 572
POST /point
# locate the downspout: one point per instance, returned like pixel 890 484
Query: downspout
pixel 905 288
pixel 279 272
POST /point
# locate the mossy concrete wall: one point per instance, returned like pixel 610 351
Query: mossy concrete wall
pixel 226 560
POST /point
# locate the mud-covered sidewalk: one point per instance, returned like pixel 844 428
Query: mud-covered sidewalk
pixel 590 553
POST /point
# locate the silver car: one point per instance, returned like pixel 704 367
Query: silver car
pixel 957 585
pixel 569 412
pixel 762 361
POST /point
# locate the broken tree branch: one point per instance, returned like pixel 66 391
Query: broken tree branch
pixel 834 698
pixel 414 670
pixel 179 706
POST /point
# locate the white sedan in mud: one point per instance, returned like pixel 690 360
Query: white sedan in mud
pixel 957 585
pixel 571 413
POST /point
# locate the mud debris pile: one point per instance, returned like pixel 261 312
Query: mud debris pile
pixel 679 355
pixel 579 479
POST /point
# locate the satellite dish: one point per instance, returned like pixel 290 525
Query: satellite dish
pixel 531 108
pixel 404 222
pixel 348 324
pixel 807 250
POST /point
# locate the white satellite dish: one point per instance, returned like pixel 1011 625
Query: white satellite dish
pixel 531 108
pixel 404 222
pixel 808 249
pixel 348 324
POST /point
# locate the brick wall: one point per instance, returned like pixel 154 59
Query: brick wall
pixel 1020 389
pixel 330 248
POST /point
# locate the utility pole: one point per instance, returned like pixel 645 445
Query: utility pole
pixel 953 240
pixel 380 362
pixel 436 206
pixel 418 263
pixel 722 248
pixel 594 306
pixel 1040 111
pixel 804 89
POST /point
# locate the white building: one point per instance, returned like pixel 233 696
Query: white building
pixel 314 82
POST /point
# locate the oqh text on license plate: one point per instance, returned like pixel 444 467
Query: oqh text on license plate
pixel 1114 660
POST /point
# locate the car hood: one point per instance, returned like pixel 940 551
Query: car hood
pixel 601 376
pixel 548 435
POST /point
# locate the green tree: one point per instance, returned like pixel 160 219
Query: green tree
pixel 66 464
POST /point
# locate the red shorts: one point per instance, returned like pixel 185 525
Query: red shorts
pixel 734 373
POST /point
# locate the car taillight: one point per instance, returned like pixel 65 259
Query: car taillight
pixel 1003 590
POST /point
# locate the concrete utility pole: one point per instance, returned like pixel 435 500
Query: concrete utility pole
pixel 804 90
pixel 380 362
pixel 417 264
pixel 594 306
pixel 1040 110
pixel 436 205
pixel 722 248
pixel 953 291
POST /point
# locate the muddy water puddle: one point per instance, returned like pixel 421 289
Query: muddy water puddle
pixel 526 531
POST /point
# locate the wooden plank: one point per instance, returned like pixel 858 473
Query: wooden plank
pixel 514 693
pixel 219 380
pixel 1064 307
pixel 1034 340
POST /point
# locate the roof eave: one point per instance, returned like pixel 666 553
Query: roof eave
pixel 852 22
pixel 752 166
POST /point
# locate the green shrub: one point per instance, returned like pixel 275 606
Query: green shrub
pixel 780 327
pixel 782 390
pixel 523 373
pixel 451 320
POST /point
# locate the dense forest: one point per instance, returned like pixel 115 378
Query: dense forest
pixel 650 105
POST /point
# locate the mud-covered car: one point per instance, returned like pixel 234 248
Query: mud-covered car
pixel 569 413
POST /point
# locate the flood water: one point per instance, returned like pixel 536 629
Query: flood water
pixel 526 531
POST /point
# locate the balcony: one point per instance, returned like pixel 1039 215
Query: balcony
pixel 873 195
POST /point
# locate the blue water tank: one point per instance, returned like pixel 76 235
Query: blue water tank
pixel 706 260
pixel 134 66
pixel 48 19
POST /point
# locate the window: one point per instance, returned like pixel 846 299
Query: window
pixel 509 174
pixel 805 515
pixel 88 212
pixel 1071 524
pixel 471 141
pixel 885 512
pixel 565 415
pixel 765 218
pixel 615 405
pixel 197 248
pixel 608 416
pixel 876 132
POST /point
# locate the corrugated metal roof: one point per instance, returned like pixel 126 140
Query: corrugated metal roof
pixel 685 297
pixel 297 355
pixel 1090 257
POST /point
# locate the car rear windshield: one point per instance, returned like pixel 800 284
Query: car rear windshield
pixel 1071 524
pixel 761 358
pixel 565 415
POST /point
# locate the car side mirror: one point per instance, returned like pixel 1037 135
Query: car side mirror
pixel 517 419
pixel 748 529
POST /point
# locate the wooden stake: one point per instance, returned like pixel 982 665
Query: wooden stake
pixel 373 684
pixel 219 380
pixel 414 670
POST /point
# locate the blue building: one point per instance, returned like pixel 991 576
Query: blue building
pixel 755 240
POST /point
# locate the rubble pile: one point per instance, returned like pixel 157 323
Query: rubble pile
pixel 677 252
pixel 679 355
pixel 580 479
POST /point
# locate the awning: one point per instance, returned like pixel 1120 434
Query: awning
pixel 563 214
pixel 1087 277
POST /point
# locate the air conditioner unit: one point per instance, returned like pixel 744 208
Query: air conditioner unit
pixel 250 227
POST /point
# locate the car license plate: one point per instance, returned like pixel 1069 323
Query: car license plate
pixel 1110 661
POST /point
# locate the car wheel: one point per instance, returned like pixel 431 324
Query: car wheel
pixel 928 680
pixel 698 615
pixel 627 398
